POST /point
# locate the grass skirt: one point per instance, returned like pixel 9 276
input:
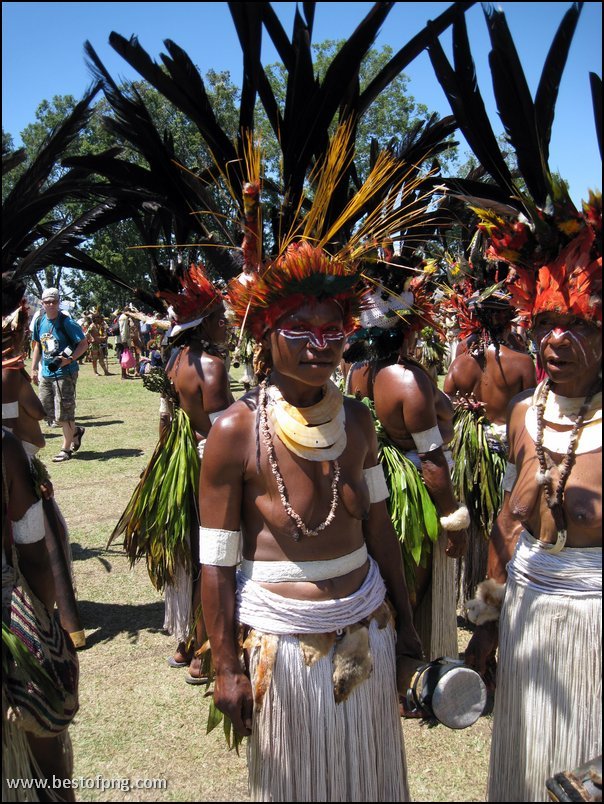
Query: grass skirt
pixel 548 702
pixel 435 618
pixel 305 747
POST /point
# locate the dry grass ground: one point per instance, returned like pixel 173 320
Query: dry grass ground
pixel 138 720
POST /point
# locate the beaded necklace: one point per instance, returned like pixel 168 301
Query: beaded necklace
pixel 302 529
pixel 554 497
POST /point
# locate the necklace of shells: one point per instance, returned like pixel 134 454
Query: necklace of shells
pixel 554 497
pixel 301 528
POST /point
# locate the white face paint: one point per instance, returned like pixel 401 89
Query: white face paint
pixel 568 340
pixel 316 337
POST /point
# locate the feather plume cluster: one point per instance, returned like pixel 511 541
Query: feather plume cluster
pixel 196 297
pixel 304 272
pixel 564 275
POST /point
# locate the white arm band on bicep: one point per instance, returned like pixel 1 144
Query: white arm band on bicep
pixel 509 477
pixel 376 483
pixel 220 548
pixel 165 406
pixel 427 440
pixel 215 415
pixel 10 410
pixel 30 528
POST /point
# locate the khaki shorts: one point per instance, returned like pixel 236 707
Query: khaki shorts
pixel 59 397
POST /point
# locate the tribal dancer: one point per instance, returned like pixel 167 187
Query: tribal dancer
pixel 293 492
pixel 481 383
pixel 162 515
pixel 548 700
pixel 415 430
pixel 22 413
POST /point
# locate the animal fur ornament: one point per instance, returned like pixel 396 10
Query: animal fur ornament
pixel 486 606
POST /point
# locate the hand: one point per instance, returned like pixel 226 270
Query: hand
pixel 457 543
pixel 482 647
pixel 406 667
pixel 47 490
pixel 34 376
pixel 233 696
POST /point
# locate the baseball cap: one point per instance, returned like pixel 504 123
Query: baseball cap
pixel 50 294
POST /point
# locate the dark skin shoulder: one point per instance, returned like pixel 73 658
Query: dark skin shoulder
pixel 202 384
pixel 404 402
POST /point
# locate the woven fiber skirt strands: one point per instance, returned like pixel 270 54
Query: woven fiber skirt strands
pixel 548 702
pixel 306 747
pixel 436 616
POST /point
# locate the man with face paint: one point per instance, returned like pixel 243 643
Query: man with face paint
pixel 303 591
pixel 542 602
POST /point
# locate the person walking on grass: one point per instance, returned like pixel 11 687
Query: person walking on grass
pixel 58 343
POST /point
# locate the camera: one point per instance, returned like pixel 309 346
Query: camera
pixel 55 364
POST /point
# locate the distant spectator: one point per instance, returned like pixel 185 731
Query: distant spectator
pixel 58 343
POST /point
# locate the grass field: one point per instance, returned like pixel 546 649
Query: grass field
pixel 140 725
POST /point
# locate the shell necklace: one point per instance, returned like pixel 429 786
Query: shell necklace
pixel 554 497
pixel 302 529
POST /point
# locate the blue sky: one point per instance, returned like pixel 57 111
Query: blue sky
pixel 42 56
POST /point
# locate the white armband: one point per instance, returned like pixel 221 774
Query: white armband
pixel 509 478
pixel 165 406
pixel 427 440
pixel 220 548
pixel 215 415
pixel 30 528
pixel 376 483
pixel 10 410
pixel 458 520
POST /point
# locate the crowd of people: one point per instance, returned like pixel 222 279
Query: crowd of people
pixel 296 461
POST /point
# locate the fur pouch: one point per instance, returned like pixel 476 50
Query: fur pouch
pixel 486 606
pixel 352 662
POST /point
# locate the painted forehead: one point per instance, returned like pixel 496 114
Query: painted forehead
pixel 564 321
pixel 317 313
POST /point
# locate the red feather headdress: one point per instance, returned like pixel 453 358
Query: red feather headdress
pixel 302 273
pixel 194 302
pixel 556 269
pixel 392 198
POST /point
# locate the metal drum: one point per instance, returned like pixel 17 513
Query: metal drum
pixel 448 691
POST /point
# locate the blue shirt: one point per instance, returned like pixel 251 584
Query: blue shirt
pixel 54 336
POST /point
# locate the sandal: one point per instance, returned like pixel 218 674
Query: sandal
pixel 64 455
pixel 77 439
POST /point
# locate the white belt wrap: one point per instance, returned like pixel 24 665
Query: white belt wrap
pixel 573 572
pixel 283 571
pixel 30 449
pixel 275 614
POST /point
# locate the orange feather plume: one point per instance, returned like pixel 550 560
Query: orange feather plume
pixel 197 296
